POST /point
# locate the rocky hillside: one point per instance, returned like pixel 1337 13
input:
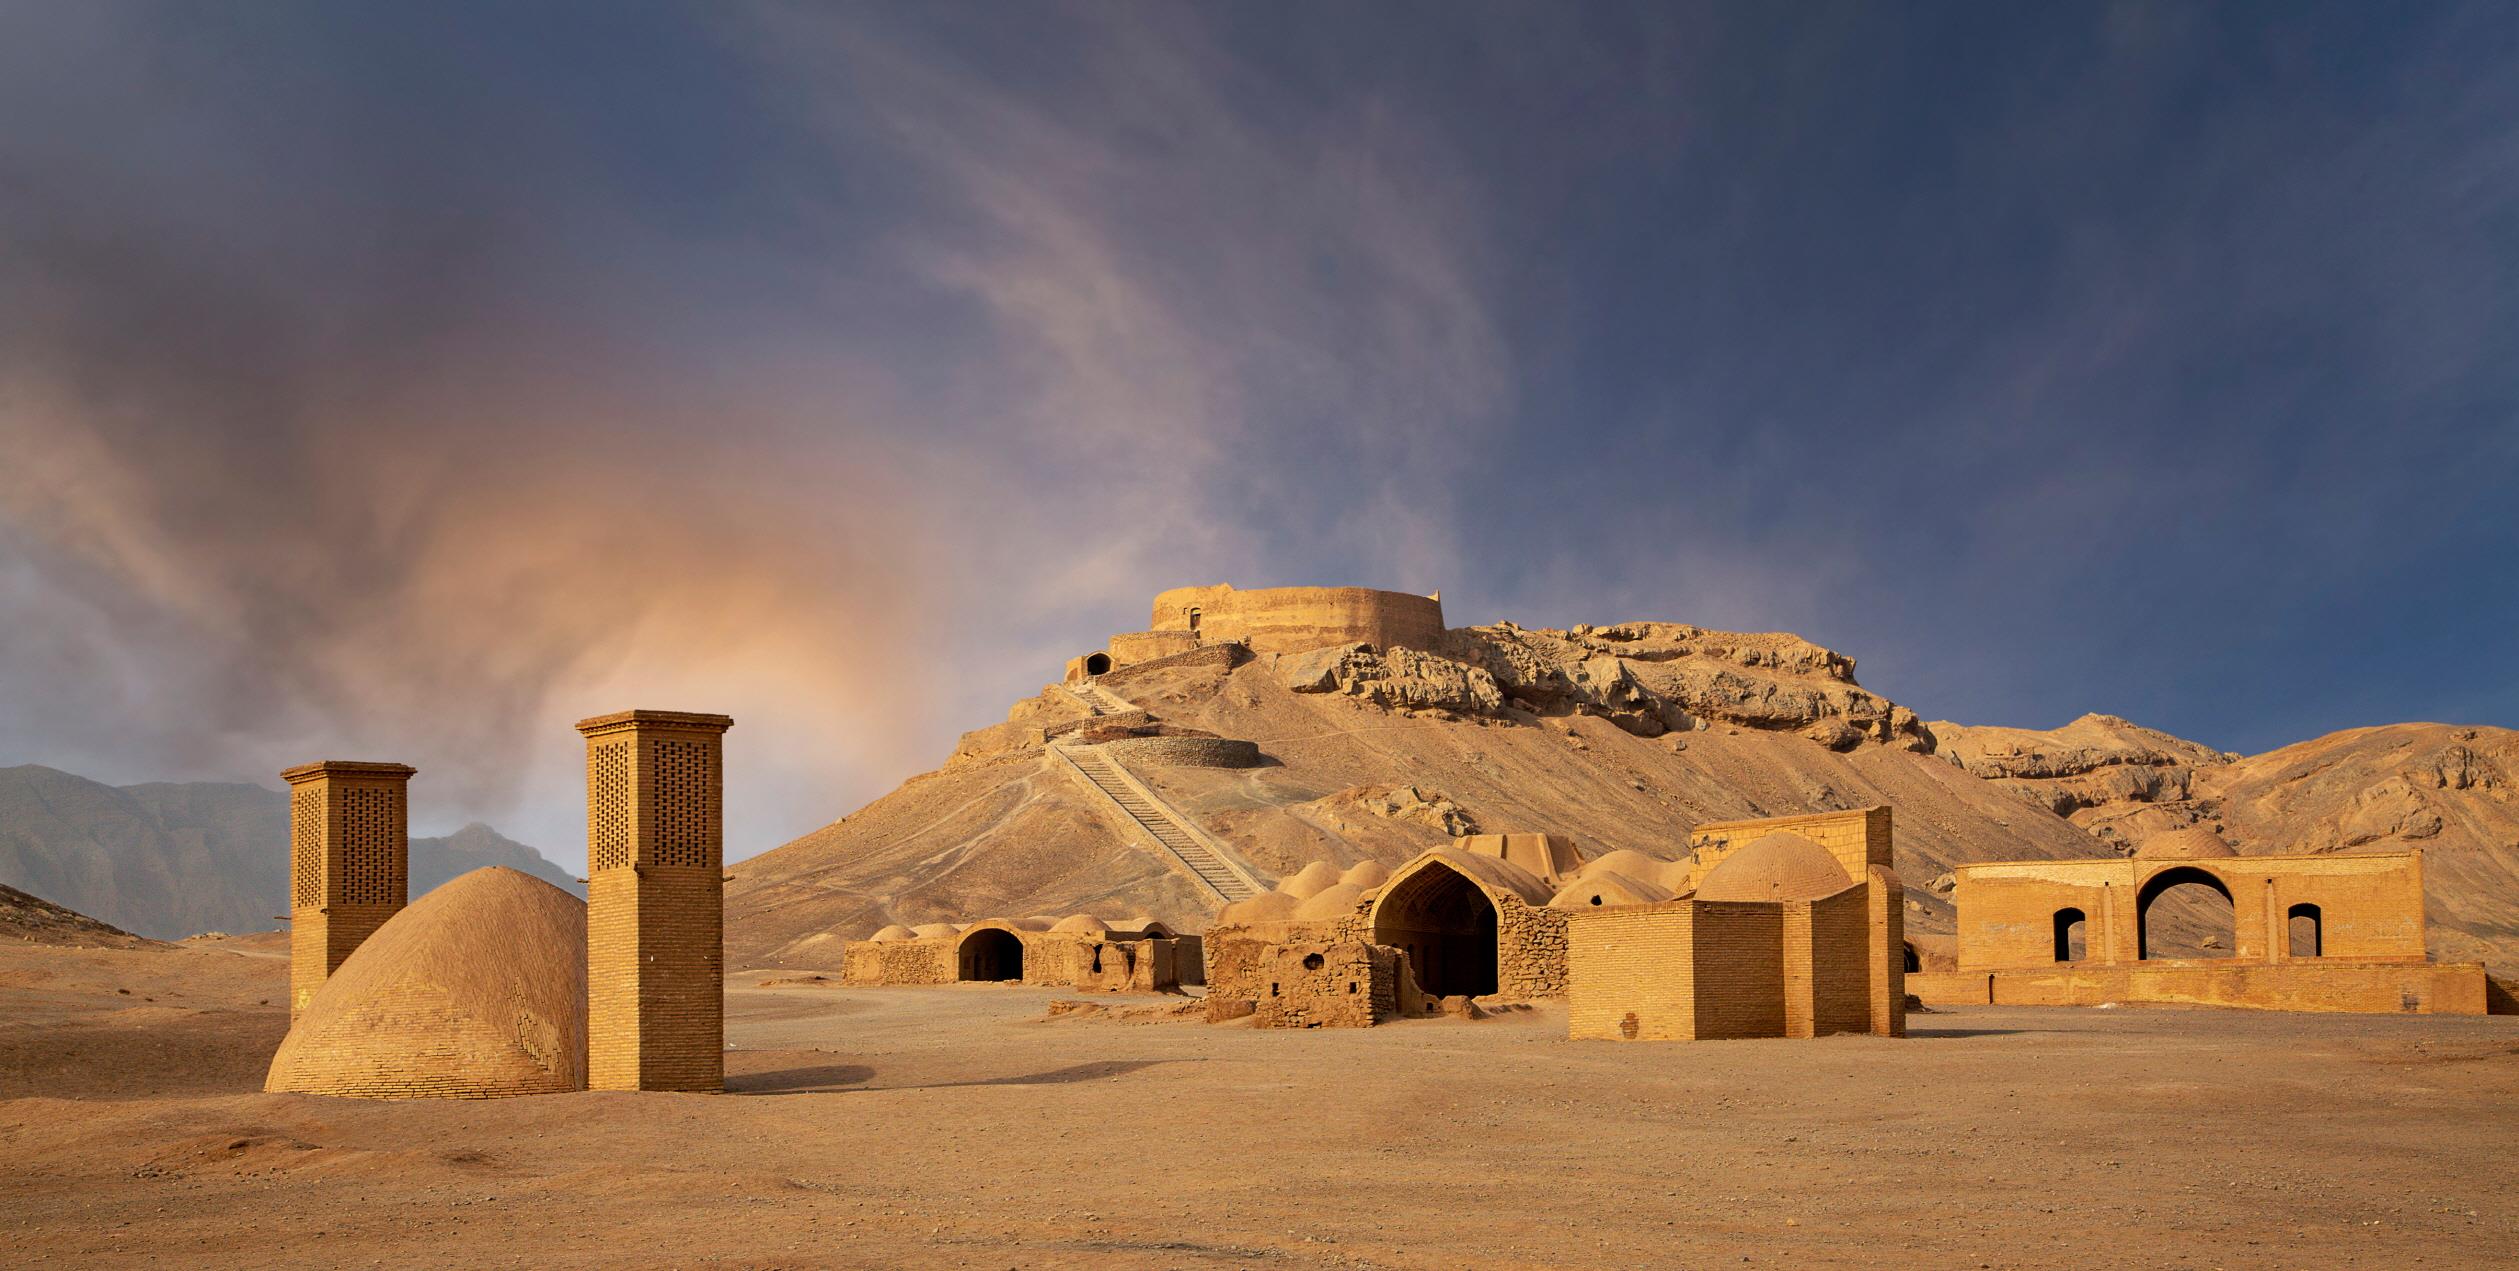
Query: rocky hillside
pixel 169 860
pixel 2446 788
pixel 1622 736
pixel 35 920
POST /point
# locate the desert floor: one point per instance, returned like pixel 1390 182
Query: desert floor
pixel 964 1127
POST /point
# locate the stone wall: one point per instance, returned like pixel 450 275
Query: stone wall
pixel 1185 752
pixel 1296 619
pixel 1530 949
pixel 1342 984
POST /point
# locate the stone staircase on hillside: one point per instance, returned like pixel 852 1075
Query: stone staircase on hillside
pixel 1100 700
pixel 1197 853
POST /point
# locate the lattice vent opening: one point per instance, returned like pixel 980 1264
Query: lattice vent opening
pixel 372 862
pixel 608 805
pixel 686 803
pixel 306 848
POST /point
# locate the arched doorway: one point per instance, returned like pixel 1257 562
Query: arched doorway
pixel 2308 930
pixel 1097 664
pixel 992 954
pixel 2071 942
pixel 1445 925
pixel 2185 913
pixel 1914 963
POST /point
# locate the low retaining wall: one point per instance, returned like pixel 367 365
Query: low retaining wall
pixel 2389 988
pixel 1185 752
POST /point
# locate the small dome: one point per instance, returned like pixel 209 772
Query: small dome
pixel 935 930
pixel 1631 864
pixel 1602 889
pixel 476 990
pixel 1081 924
pixel 1037 922
pixel 1149 925
pixel 1777 867
pixel 894 932
pixel 1315 878
pixel 2194 843
pixel 1332 902
pixel 1367 874
pixel 1273 906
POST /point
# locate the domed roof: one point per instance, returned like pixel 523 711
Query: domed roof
pixel 1082 924
pixel 1629 863
pixel 1314 878
pixel 1603 889
pixel 1331 902
pixel 894 932
pixel 476 990
pixel 1269 906
pixel 935 930
pixel 1146 923
pixel 1367 874
pixel 2193 843
pixel 1778 867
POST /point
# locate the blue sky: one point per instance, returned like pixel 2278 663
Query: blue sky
pixel 406 382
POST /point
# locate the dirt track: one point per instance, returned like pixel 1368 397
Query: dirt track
pixel 958 1127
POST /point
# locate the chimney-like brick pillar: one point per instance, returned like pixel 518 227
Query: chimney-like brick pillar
pixel 655 908
pixel 349 863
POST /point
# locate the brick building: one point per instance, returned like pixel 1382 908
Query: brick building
pixel 349 863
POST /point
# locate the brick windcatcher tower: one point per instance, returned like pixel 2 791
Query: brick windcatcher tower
pixel 349 863
pixel 655 907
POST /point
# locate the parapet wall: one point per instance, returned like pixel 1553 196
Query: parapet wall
pixel 1299 619
pixel 2369 987
pixel 1185 752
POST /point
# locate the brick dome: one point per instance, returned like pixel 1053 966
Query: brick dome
pixel 2194 843
pixel 477 990
pixel 1777 867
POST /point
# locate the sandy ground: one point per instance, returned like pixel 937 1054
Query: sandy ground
pixel 960 1127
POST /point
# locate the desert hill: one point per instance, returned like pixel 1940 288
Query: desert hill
pixel 167 859
pixel 1623 736
pixel 35 920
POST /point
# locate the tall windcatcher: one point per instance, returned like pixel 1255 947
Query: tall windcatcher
pixel 349 863
pixel 655 909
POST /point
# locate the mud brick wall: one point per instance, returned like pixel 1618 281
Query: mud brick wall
pixel 1185 752
pixel 1531 948
pixel 1681 971
pixel 1858 840
pixel 1300 619
pixel 879 962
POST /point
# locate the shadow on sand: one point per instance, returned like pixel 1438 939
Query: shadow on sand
pixel 836 1078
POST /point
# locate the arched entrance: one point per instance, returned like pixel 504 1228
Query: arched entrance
pixel 2307 930
pixel 991 954
pixel 2071 942
pixel 2199 920
pixel 1446 925
pixel 1913 962
pixel 1097 664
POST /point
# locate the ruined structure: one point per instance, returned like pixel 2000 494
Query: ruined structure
pixel 477 991
pixel 2305 933
pixel 1271 620
pixel 655 950
pixel 1762 932
pixel 349 863
pixel 1080 951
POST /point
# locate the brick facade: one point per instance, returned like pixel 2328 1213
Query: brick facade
pixel 349 863
pixel 655 923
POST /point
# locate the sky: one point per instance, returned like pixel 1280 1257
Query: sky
pixel 384 381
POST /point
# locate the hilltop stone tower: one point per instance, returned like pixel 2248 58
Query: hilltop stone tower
pixel 349 862
pixel 655 900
